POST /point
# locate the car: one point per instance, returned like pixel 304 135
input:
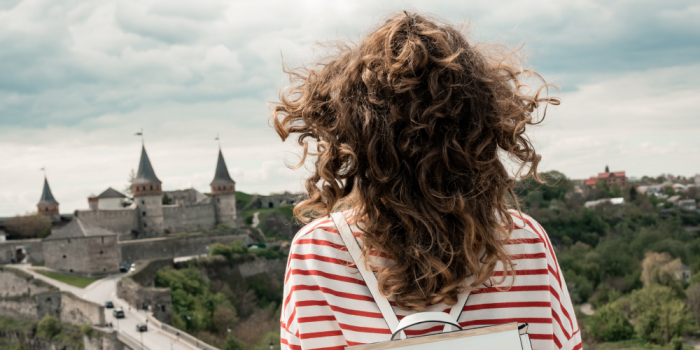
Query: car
pixel 118 313
pixel 108 304
pixel 124 268
pixel 141 327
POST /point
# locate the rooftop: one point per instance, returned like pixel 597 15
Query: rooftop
pixel 78 229
pixel 111 193
pixel 221 177
pixel 46 195
pixel 146 174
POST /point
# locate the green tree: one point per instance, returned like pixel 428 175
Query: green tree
pixel 607 169
pixel 609 323
pixel 48 327
pixel 232 343
pixel 86 329
pixel 660 314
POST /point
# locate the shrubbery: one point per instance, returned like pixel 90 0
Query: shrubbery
pixel 610 323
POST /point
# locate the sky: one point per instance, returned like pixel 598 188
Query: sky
pixel 79 78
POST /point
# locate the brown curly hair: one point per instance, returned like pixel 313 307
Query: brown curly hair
pixel 411 124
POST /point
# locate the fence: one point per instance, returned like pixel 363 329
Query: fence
pixel 183 336
pixel 130 342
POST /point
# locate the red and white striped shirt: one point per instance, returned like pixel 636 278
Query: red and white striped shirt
pixel 328 306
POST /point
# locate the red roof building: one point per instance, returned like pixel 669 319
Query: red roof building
pixel 609 178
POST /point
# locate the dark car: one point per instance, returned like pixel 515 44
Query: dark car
pixel 124 268
pixel 141 327
pixel 118 313
pixel 109 305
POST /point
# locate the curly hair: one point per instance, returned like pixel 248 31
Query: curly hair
pixel 411 124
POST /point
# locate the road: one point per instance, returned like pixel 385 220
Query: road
pixel 105 289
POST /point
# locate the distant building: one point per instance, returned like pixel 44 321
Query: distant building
pixel 684 274
pixel 48 206
pixel 679 187
pixel 187 210
pixel 609 178
pixel 110 199
pixel 83 249
pixel 688 204
pixel 697 180
pixel 673 199
pixel 613 201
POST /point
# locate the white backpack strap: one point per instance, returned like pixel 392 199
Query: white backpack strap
pixel 456 310
pixel 370 280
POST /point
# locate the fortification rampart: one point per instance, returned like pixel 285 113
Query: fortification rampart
pixel 138 290
pixel 186 218
pixel 173 247
pixel 121 221
pixel 30 247
pixel 24 297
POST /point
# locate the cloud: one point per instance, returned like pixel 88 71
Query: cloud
pixel 78 78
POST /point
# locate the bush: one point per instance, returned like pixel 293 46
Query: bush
pixel 48 327
pixel 86 329
pixel 269 337
pixel 660 314
pixel 609 323
pixel 232 343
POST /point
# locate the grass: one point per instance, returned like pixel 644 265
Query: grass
pixel 11 324
pixel 76 281
pixel 243 198
pixel 636 344
pixel 286 210
pixel 38 264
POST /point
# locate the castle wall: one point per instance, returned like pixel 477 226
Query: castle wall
pixel 185 218
pixel 174 247
pixel 78 311
pixel 87 256
pixel 32 248
pixel 120 221
pixel 150 213
pixel 14 282
pixel 225 205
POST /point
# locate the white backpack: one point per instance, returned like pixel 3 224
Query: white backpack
pixel 508 336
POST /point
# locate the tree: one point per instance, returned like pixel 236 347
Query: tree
pixel 660 314
pixel 28 226
pixel 224 317
pixel 48 327
pixel 232 343
pixel 609 323
pixel 658 268
pixel 693 300
pixel 607 169
pixel 633 194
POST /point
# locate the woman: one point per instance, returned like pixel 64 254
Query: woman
pixel 410 128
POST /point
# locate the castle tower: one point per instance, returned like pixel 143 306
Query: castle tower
pixel 223 191
pixel 92 201
pixel 48 206
pixel 148 197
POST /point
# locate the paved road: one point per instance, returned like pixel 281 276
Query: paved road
pixel 105 289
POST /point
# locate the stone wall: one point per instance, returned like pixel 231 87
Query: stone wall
pixel 32 247
pixel 282 225
pixel 159 300
pixel 85 256
pixel 121 221
pixel 102 340
pixel 187 218
pixel 79 311
pixel 218 268
pixel 146 271
pixel 174 247
pixel 15 282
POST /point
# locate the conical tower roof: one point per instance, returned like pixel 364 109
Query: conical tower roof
pixel 145 175
pixel 46 195
pixel 221 177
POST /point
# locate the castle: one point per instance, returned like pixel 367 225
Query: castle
pixel 148 216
